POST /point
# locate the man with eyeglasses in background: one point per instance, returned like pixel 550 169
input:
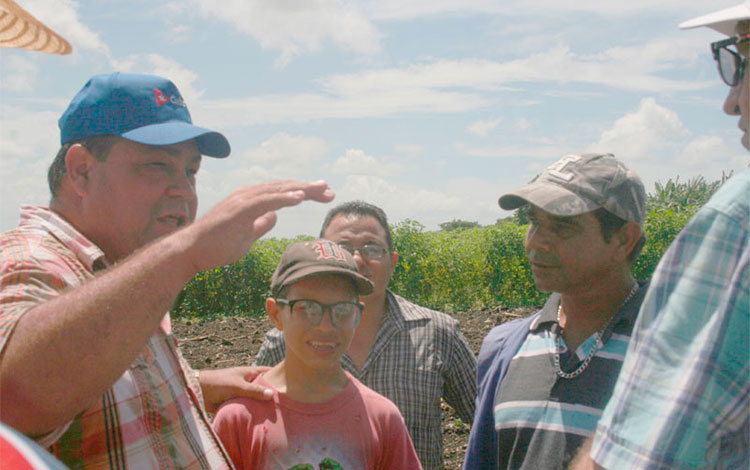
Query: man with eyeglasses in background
pixel 682 400
pixel 412 355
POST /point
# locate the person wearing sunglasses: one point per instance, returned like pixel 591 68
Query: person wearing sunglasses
pixel 731 57
pixel 682 399
pixel 320 415
pixel 412 355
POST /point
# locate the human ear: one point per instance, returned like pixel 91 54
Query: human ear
pixel 274 313
pixel 78 165
pixel 627 237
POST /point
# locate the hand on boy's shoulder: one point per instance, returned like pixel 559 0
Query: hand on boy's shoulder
pixel 220 385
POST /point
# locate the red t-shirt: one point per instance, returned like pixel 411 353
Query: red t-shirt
pixel 356 430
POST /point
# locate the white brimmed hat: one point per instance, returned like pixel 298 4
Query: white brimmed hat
pixel 723 21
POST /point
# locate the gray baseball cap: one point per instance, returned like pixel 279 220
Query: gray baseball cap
pixel 304 259
pixel 577 184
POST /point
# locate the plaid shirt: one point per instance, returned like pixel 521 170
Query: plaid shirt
pixel 152 417
pixel 418 357
pixel 682 400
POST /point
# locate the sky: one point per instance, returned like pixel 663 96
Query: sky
pixel 430 109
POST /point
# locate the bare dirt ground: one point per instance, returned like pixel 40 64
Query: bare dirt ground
pixel 233 341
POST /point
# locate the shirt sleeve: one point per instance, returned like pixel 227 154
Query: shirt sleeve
pixel 233 425
pixel 273 349
pixel 460 387
pixel 681 400
pixel 24 284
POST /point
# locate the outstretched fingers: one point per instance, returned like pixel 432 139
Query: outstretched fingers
pixel 260 202
pixel 228 230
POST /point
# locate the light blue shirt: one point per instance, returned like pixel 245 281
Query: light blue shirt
pixel 682 400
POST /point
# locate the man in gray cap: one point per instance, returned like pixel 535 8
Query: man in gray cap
pixel 88 362
pixel 542 381
pixel 682 400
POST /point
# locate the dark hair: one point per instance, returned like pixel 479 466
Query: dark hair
pixel 99 146
pixel 610 224
pixel 283 292
pixel 360 209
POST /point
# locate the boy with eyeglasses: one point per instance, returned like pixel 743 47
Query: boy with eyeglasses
pixel 682 400
pixel 415 356
pixel 320 416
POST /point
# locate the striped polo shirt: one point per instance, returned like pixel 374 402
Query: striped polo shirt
pixel 541 419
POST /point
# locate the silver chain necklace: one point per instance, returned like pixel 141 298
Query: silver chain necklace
pixel 594 348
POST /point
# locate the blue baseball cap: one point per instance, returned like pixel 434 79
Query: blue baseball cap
pixel 142 108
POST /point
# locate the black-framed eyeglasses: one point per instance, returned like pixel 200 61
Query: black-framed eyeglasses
pixel 368 251
pixel 731 64
pixel 344 315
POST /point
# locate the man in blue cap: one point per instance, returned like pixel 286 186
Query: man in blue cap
pixel 88 364
pixel 682 400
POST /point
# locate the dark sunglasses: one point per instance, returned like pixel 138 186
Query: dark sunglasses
pixel 731 64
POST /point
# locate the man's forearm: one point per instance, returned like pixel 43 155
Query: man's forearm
pixel 65 353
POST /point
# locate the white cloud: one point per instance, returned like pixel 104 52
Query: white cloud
pixel 62 17
pixel 541 10
pixel 178 33
pixel 25 155
pixel 521 125
pixel 19 74
pixel 542 149
pixel 696 152
pixel 449 86
pixel 356 162
pixel 557 64
pixel 400 201
pixel 642 134
pixel 709 155
pixel 410 150
pixel 285 155
pixel 274 109
pixel 482 128
pixel 295 27
pixel 473 199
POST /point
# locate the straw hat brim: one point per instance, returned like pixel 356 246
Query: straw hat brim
pixel 18 28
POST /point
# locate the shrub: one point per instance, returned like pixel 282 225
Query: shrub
pixel 410 242
pixel 456 270
pixel 511 281
pixel 688 195
pixel 661 227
